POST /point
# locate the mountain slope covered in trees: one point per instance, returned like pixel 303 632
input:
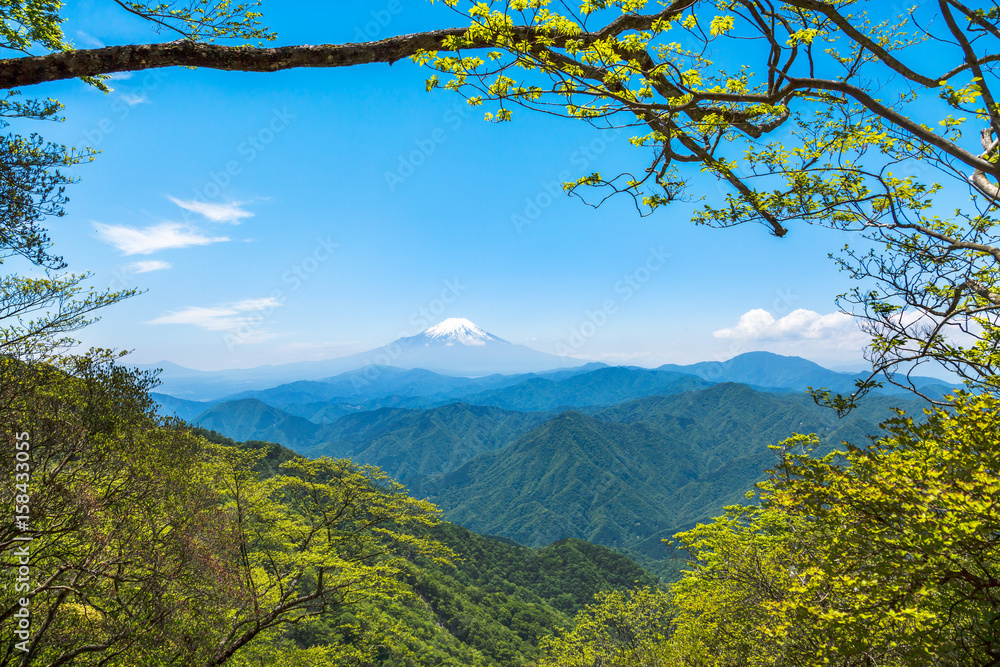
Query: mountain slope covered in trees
pixel 626 475
pixel 630 475
pixel 490 606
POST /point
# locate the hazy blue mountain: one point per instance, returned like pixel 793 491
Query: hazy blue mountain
pixel 423 389
pixel 324 412
pixel 604 386
pixel 375 387
pixel 632 474
pixel 169 406
pixel 303 391
pixel 456 346
pixel 774 371
pixel 251 419
pixel 373 382
pixel 196 385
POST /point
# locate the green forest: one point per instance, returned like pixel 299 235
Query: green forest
pixel 599 517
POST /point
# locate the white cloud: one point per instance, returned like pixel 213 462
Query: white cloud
pixel 249 314
pixel 257 304
pixel 89 40
pixel 147 266
pixel 145 241
pixel 799 325
pixel 231 213
pixel 132 99
pixel 213 319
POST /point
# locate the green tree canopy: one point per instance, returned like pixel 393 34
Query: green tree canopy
pixel 881 555
pixel 150 545
pixel 845 114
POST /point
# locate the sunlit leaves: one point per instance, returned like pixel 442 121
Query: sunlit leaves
pixel 618 630
pixel 29 23
pixel 720 25
pixel 203 20
pixel 153 546
pixel 887 554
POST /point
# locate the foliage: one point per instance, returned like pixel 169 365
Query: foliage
pixel 492 606
pixel 203 21
pixel 822 118
pixel 618 630
pixel 906 552
pixel 150 545
pixel 883 555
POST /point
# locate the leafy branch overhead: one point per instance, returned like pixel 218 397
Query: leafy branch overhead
pixel 154 545
pixel 841 114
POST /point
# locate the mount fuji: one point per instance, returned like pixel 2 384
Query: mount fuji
pixel 455 346
pixel 456 330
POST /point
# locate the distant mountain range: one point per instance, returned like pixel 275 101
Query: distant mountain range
pixel 593 384
pixel 774 371
pixel 623 476
pixel 618 456
pixel 455 346
pixel 631 475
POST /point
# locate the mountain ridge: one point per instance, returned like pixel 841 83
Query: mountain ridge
pixel 454 346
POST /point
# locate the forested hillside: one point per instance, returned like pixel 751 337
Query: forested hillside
pixel 625 476
pixel 490 605
pixel 323 497
pixel 631 475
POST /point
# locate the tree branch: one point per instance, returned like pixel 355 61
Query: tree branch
pixel 17 72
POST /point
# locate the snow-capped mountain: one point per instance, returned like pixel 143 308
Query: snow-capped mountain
pixel 455 346
pixel 458 346
pixel 458 330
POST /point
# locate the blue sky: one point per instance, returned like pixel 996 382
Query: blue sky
pixel 315 213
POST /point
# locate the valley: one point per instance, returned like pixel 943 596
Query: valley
pixel 622 457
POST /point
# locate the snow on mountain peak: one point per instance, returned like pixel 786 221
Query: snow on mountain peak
pixel 461 330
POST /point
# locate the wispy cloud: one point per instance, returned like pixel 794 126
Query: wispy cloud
pixel 231 213
pixel 799 325
pixel 147 266
pixel 87 39
pixel 147 240
pixel 320 350
pixel 132 99
pixel 226 317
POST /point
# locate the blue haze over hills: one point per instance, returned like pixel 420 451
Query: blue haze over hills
pixel 616 455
